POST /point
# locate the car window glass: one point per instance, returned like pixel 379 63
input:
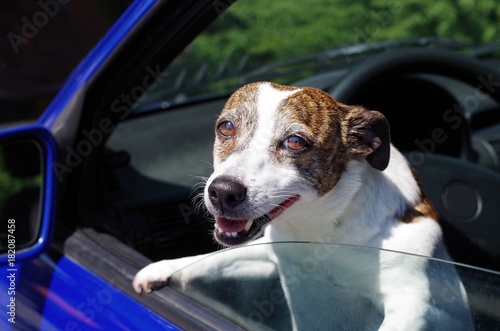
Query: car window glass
pixel 20 193
pixel 287 41
pixel 338 284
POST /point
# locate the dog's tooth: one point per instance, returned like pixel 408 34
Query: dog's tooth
pixel 218 229
pixel 248 225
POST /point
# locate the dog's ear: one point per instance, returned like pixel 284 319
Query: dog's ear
pixel 366 133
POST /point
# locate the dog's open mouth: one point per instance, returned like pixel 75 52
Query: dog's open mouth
pixel 233 232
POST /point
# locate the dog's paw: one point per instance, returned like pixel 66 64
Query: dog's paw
pixel 153 277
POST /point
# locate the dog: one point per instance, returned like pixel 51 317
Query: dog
pixel 293 164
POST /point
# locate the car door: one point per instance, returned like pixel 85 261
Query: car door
pixel 42 287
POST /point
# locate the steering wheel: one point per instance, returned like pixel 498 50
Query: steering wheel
pixel 418 61
pixel 466 195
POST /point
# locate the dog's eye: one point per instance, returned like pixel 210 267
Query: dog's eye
pixel 226 129
pixel 295 143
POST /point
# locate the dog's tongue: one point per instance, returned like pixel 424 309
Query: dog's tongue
pixel 228 225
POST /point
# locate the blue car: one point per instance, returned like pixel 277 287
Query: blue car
pixel 102 156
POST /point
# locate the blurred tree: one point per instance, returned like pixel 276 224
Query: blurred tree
pixel 304 27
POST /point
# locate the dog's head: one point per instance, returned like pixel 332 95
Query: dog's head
pixel 278 146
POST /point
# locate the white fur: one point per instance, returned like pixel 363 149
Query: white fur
pixel 360 210
pixel 259 172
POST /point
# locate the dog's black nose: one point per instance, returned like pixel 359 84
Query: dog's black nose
pixel 226 193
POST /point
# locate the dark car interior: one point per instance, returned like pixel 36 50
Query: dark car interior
pixel 155 163
pixel 135 196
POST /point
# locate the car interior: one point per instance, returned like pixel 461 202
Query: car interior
pixel 155 162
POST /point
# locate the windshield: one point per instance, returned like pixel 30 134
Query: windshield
pixel 286 41
pixel 329 285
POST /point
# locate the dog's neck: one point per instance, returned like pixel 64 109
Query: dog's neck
pixel 363 199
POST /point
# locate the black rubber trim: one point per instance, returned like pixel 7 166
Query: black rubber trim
pixel 117 263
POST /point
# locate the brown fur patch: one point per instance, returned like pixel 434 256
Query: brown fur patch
pixel 413 214
pixel 335 132
pixel 425 208
pixel 316 116
pixel 240 110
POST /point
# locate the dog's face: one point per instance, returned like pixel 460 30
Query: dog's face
pixel 278 147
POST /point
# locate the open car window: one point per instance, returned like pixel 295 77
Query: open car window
pixel 244 285
pixel 157 160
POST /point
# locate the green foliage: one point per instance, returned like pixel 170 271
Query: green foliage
pixel 10 185
pixel 253 34
pixel 268 31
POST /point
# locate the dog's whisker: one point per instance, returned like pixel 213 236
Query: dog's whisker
pixel 209 164
pixel 200 185
pixel 368 206
pixel 202 179
pixel 198 177
pixel 196 188
pixel 198 201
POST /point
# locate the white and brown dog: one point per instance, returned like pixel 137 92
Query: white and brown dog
pixel 292 164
